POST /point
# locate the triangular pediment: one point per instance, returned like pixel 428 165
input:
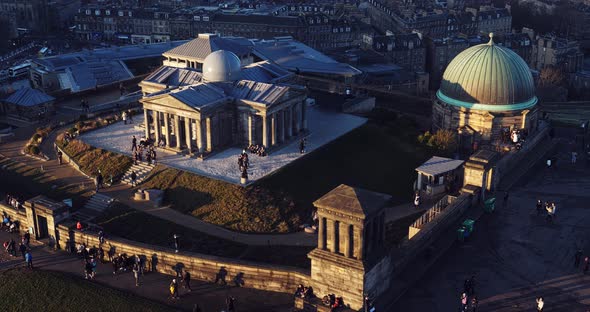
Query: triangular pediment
pixel 168 101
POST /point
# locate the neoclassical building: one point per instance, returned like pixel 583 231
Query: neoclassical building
pixel 485 89
pixel 219 103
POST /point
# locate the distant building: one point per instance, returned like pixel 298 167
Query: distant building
pixel 405 50
pixel 560 52
pixel 520 43
pixel 495 20
pixel 26 16
pixel 440 52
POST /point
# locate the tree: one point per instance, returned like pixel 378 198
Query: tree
pixel 551 76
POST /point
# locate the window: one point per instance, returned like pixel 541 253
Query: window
pixel 88 12
pixel 121 13
pixel 130 14
pixel 196 18
pixel 205 18
pixel 97 12
pixel 107 12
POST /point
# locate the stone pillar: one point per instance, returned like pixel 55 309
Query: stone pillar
pixel 146 122
pixel 322 234
pixel 282 125
pixel 359 236
pixel 336 237
pixel 157 126
pixel 188 134
pixel 273 129
pixel 296 118
pixel 348 240
pixel 303 116
pixel 290 121
pixel 177 131
pixel 250 129
pixel 208 134
pixel 264 131
pixel 167 126
pixel 200 143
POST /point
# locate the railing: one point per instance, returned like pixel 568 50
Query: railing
pixel 431 213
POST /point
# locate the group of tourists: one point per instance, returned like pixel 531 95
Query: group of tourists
pixel 145 145
pixel 185 279
pixel 305 292
pixel 14 201
pixel 24 247
pixel 333 302
pixel 550 209
pixel 257 149
pixel 8 225
pixel 468 297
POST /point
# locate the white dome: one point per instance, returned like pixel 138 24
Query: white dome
pixel 221 66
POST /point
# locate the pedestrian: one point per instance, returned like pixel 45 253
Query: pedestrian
pixel 174 289
pixel 577 258
pixel 186 279
pixel 79 226
pixel 586 264
pixel 134 144
pixel 302 146
pixel 154 156
pixel 29 260
pixel 540 304
pixel 464 302
pixel 230 302
pixel 23 249
pixel 539 207
pixel 59 156
pixel 124 117
pixel 176 242
pixel 417 200
pixel 100 237
pixel 133 178
pixel 12 247
pixel 88 274
pixel 474 304
pixel 574 157
pixel 136 273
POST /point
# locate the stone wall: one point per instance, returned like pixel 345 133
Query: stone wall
pixel 202 267
pixel 15 215
pixel 67 159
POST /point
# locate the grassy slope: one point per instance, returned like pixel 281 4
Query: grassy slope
pixel 48 291
pixel 92 159
pixel 380 156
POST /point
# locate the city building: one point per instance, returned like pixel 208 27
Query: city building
pixel 486 91
pixel 559 52
pixel 439 54
pixel 222 107
pixel 490 19
pixel 25 16
pixel 520 43
pixel 405 50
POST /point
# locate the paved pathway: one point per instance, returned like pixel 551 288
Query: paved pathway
pixel 515 255
pixel 154 286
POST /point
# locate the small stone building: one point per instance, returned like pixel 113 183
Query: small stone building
pixel 348 259
pixel 486 89
pixel 28 103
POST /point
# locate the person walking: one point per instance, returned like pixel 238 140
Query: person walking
pixel 59 157
pixel 417 200
pixel 136 273
pixel 540 304
pixel 464 302
pixel 133 178
pixel 174 289
pixel 124 117
pixel 186 279
pixel 302 144
pixel 29 260
pixel 577 258
pixel 176 242
pixel 134 144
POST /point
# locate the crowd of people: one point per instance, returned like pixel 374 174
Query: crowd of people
pixel 305 292
pixel 550 209
pixel 146 146
pixel 257 149
pixel 14 201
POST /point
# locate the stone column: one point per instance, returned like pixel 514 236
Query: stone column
pixel 167 126
pixel 250 129
pixel 200 143
pixel 264 131
pixel 208 130
pixel 177 131
pixel 273 129
pixel 282 124
pixel 336 237
pixel 157 126
pixel 322 234
pixel 296 118
pixel 290 121
pixel 188 134
pixel 146 122
pixel 303 116
pixel 348 231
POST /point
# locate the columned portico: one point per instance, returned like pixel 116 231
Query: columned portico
pixel 157 126
pixel 264 131
pixel 177 132
pixel 188 134
pixel 146 121
pixel 167 127
pixel 208 132
pixel 200 143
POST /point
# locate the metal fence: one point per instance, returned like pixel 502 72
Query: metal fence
pixel 431 213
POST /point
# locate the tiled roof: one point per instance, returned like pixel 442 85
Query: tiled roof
pixel 199 95
pixel 258 91
pixel 202 46
pixel 264 72
pixel 174 76
pixel 29 97
pixel 88 75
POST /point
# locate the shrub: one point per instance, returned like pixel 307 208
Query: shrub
pixel 33 149
pixel 35 137
pixel 72 130
pixel 79 125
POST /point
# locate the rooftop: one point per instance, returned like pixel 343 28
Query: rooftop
pixel 354 201
pixel 29 97
pixel 439 165
pixel 200 47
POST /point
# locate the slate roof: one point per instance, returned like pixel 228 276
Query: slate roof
pixel 259 92
pixel 88 75
pixel 439 165
pixel 352 200
pixel 174 76
pixel 202 46
pixel 199 95
pixel 264 72
pixel 29 97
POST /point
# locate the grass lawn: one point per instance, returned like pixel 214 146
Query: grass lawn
pixel 24 290
pixel 122 221
pixel 92 159
pixel 379 156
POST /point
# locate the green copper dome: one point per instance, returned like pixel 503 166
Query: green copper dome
pixel 488 77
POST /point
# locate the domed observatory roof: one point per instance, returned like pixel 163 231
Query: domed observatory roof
pixel 221 66
pixel 488 77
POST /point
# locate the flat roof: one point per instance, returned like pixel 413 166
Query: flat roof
pixel 439 165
